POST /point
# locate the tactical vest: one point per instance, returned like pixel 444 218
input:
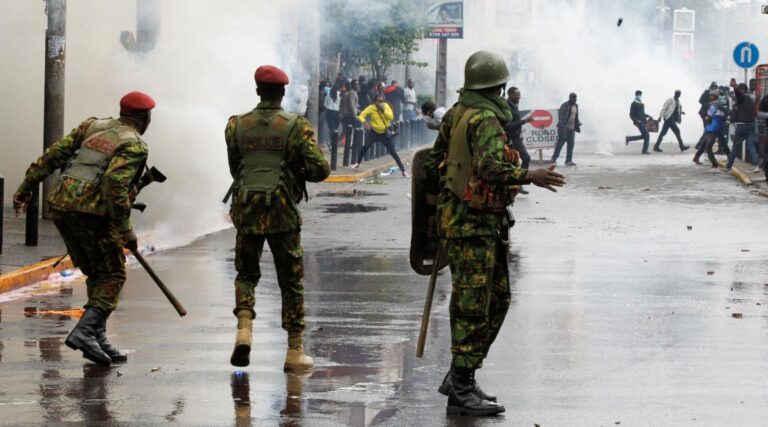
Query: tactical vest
pixel 262 137
pixel 460 176
pixel 102 139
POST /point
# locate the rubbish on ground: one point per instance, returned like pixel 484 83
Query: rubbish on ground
pixel 710 272
pixel 33 311
pixel 155 369
pixel 618 24
pixel 604 188
pixel 690 227
pixel 737 315
pixel 745 250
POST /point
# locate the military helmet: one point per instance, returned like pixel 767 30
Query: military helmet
pixel 485 69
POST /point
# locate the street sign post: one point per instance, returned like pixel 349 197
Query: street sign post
pixel 746 55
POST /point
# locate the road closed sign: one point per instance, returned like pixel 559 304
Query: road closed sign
pixel 541 132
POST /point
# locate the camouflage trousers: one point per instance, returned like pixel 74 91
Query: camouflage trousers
pixel 94 245
pixel 289 264
pixel 480 296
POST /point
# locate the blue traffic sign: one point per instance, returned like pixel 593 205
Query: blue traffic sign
pixel 746 55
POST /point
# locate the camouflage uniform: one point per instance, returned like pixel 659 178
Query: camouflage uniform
pixel 480 294
pixel 91 216
pixel 274 217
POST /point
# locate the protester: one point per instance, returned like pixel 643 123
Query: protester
pixel 743 117
pixel 715 123
pixel 395 95
pixel 332 101
pixel 672 113
pixel 567 126
pixel 639 119
pixel 376 119
pixel 763 114
pixel 433 114
pixel 348 106
pixel 704 102
pixel 515 126
pixel 409 102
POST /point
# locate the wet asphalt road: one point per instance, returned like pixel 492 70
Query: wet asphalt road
pixel 621 314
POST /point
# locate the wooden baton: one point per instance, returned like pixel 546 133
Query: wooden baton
pixel 174 302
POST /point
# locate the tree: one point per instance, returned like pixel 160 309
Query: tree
pixel 376 34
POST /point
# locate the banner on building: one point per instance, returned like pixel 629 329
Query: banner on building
pixel 445 19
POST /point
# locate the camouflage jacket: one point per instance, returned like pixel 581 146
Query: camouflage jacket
pixel 486 137
pixel 251 214
pixel 111 197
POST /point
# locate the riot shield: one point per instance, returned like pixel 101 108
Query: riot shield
pixel 423 225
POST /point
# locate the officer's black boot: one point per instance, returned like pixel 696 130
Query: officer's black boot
pixel 462 398
pixel 445 387
pixel 83 337
pixel 116 355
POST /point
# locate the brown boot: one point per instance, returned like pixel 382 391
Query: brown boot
pixel 296 360
pixel 242 351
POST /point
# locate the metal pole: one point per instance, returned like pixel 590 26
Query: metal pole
pixel 358 141
pixel 347 144
pixel 334 149
pixel 30 232
pixel 441 73
pixel 53 115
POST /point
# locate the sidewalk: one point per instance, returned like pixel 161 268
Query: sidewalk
pixel 22 265
pixel 370 168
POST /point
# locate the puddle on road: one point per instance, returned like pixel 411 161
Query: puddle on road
pixel 351 208
pixel 351 194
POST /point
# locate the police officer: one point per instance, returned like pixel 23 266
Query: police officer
pixel 476 174
pixel 102 160
pixel 271 154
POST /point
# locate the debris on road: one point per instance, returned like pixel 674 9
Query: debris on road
pixel 737 315
pixel 710 272
pixel 155 369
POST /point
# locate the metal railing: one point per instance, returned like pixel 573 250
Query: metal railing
pixel 412 134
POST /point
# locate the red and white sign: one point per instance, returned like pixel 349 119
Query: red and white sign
pixel 541 132
pixel 541 119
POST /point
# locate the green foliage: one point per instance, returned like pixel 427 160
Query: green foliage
pixel 376 34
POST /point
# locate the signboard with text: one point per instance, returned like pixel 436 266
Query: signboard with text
pixel 541 132
pixel 445 19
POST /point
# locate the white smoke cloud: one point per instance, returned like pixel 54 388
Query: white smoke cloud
pixel 200 73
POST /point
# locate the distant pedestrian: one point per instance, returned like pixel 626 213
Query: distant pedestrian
pixel 672 113
pixel 743 117
pixel 567 126
pixel 715 123
pixel 639 119
pixel 376 119
pixel 763 115
pixel 409 102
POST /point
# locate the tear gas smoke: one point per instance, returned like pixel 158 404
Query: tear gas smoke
pixel 200 72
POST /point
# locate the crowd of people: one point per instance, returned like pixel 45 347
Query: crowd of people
pixel 732 114
pixel 374 105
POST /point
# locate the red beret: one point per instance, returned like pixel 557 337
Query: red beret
pixel 272 75
pixel 136 101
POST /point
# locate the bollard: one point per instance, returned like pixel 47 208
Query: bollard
pixel 347 144
pixel 407 135
pixel 30 232
pixel 2 212
pixel 357 144
pixel 367 139
pixel 334 149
